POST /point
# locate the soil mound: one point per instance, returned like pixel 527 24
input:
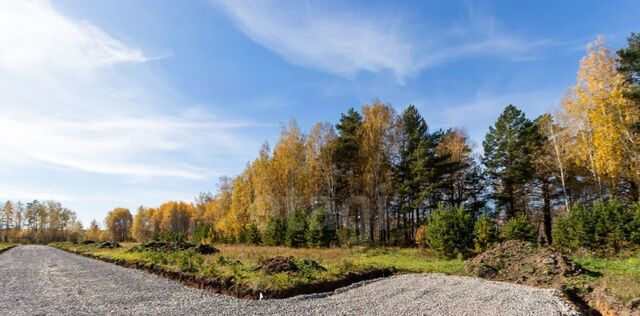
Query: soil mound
pixel 168 246
pixel 205 249
pixel 524 263
pixel 278 265
pixel 108 245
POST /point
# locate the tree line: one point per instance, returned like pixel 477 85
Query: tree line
pixel 38 221
pixel 384 177
pixel 378 175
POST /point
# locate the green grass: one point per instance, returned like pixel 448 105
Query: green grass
pixel 238 262
pixel 409 260
pixel 619 277
pixel 4 245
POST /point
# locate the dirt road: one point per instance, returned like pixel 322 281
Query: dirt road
pixel 39 280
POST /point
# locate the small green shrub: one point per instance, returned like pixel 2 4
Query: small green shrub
pixel 319 234
pixel 275 233
pixel 519 228
pixel 449 232
pixel 188 261
pixel 202 234
pixel 607 226
pixel 253 234
pixel 484 233
pixel 297 227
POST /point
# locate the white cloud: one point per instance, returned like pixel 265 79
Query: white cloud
pixel 69 101
pixel 346 43
pixel 34 35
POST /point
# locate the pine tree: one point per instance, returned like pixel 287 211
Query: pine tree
pixel 347 164
pixel 508 159
pixel 409 177
pixel 629 66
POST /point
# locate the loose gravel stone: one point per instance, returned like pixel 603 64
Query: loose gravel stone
pixel 38 280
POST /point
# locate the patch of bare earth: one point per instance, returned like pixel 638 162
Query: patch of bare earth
pixel 523 263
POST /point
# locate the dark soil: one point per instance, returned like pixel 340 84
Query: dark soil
pixel 278 265
pixel 108 245
pixel 524 263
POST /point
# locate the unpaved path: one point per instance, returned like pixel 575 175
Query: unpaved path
pixel 39 280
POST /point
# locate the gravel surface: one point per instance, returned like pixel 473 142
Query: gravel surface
pixel 38 280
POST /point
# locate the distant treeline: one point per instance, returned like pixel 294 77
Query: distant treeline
pixel 38 222
pixel 376 176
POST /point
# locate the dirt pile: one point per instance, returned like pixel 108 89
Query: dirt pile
pixel 524 263
pixel 168 246
pixel 108 245
pixel 278 265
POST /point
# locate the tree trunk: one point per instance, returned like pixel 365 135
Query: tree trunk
pixel 546 211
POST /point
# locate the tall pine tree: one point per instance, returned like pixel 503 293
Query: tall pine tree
pixel 346 160
pixel 508 160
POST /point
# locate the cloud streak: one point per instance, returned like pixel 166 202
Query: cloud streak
pixel 68 102
pixel 346 43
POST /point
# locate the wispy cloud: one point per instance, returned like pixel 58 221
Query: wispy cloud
pixel 33 35
pixel 68 102
pixel 346 43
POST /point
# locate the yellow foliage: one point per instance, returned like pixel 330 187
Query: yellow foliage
pixel 175 216
pixel 119 223
pixel 600 117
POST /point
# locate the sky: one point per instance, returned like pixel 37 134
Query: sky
pixel 118 103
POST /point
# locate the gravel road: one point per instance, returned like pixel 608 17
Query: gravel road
pixel 39 280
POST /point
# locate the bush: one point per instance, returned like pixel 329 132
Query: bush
pixel 608 226
pixel 319 234
pixel 202 233
pixel 519 228
pixel 188 261
pixel 253 234
pixel 275 233
pixel 449 231
pixel 297 229
pixel 484 233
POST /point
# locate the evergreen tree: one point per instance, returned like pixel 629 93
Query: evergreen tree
pixel 414 131
pixel 318 234
pixel 253 234
pixel 519 228
pixel 418 171
pixel 629 66
pixel 449 231
pixel 297 227
pixel 346 159
pixel 508 159
pixel 275 233
pixel 484 233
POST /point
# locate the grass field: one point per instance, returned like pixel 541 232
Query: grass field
pixel 619 277
pixel 238 262
pixel 4 245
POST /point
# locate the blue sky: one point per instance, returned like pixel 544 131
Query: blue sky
pixel 110 103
